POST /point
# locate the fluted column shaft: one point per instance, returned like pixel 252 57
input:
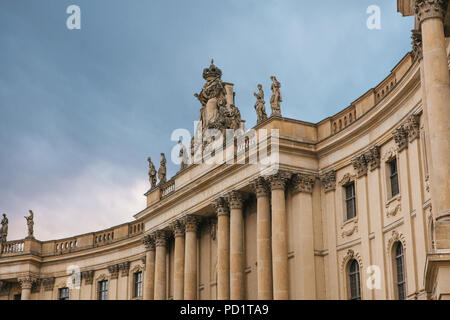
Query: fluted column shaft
pixel 437 84
pixel 235 202
pixel 190 275
pixel 149 280
pixel 178 229
pixel 263 240
pixel 160 264
pixel 279 236
pixel 223 249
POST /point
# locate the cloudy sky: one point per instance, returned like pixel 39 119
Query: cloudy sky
pixel 80 110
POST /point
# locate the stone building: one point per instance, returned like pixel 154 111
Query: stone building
pixel 358 208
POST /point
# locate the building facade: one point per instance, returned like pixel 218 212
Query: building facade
pixel 358 206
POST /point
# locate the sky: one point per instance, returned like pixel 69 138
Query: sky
pixel 81 110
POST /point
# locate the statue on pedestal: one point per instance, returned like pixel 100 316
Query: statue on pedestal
pixel 151 173
pixel 30 224
pixel 4 229
pixel 162 170
pixel 184 158
pixel 276 97
pixel 260 105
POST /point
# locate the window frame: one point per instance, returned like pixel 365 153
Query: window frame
pixel 137 284
pixel 102 292
pixel 399 280
pixel 351 199
pixel 393 176
pixel 61 290
pixel 357 295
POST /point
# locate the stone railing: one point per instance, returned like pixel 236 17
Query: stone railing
pixel 13 247
pixel 168 188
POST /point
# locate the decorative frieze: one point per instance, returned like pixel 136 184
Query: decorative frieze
pixel 412 127
pixel 279 180
pixel 426 9
pixel 114 271
pixel 48 283
pixel 360 165
pixel 192 223
pixel 260 187
pixel 161 237
pixel 178 228
pixel 235 200
pixel 221 207
pixel 87 276
pixel 373 157
pixel 124 267
pixel 302 183
pixel 328 180
pixel 401 138
pixel 149 242
pixel 416 37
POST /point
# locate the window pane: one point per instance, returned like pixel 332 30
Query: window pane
pixel 394 177
pixel 400 268
pixel 355 286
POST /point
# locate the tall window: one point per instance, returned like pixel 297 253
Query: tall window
pixel 103 290
pixel 138 284
pixel 400 270
pixel 64 294
pixel 350 200
pixel 354 280
pixel 393 175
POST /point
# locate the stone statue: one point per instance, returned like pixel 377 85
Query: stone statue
pixel 184 158
pixel 4 229
pixel 162 170
pixel 260 105
pixel 151 173
pixel 276 97
pixel 30 224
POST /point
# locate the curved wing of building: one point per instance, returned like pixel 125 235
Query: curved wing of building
pixel 356 206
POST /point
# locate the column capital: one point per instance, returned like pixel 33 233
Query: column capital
pixel 279 180
pixel 178 228
pixel 373 157
pixel 260 186
pixel 416 36
pixel 125 268
pixel 302 183
pixel 401 138
pixel 149 241
pixel 412 127
pixel 426 9
pixel 26 282
pixel 87 276
pixel 114 271
pixel 235 199
pixel 221 207
pixel 192 223
pixel 328 180
pixel 161 237
pixel 360 165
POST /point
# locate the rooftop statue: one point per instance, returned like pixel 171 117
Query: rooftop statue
pixel 184 158
pixel 4 229
pixel 30 224
pixel 162 170
pixel 260 105
pixel 151 173
pixel 276 99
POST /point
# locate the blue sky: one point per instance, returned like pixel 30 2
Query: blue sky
pixel 80 110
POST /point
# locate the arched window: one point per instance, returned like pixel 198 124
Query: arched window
pixel 399 264
pixel 354 280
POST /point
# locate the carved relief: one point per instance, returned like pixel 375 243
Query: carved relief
pixel 395 236
pixel 351 254
pixel 360 165
pixel 328 180
pixel 393 206
pixel 390 155
pixel 349 227
pixel 302 183
pixel 347 178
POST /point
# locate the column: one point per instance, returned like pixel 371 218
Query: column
pixel 113 282
pixel 279 236
pixel 431 15
pixel 178 281
pixel 263 239
pixel 190 275
pixel 223 249
pixel 149 280
pixel 26 283
pixel 235 202
pixel 302 188
pixel 160 264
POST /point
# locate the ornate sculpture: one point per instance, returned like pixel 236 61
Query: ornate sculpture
pixel 260 105
pixel 4 229
pixel 151 173
pixel 162 170
pixel 328 180
pixel 276 99
pixel 183 156
pixel 30 224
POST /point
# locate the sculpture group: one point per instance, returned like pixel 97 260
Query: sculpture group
pixel 4 227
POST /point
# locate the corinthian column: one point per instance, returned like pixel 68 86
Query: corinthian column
pixel 223 249
pixel 160 264
pixel 430 14
pixel 26 283
pixel 279 236
pixel 263 239
pixel 149 284
pixel 190 275
pixel 235 202
pixel 178 283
